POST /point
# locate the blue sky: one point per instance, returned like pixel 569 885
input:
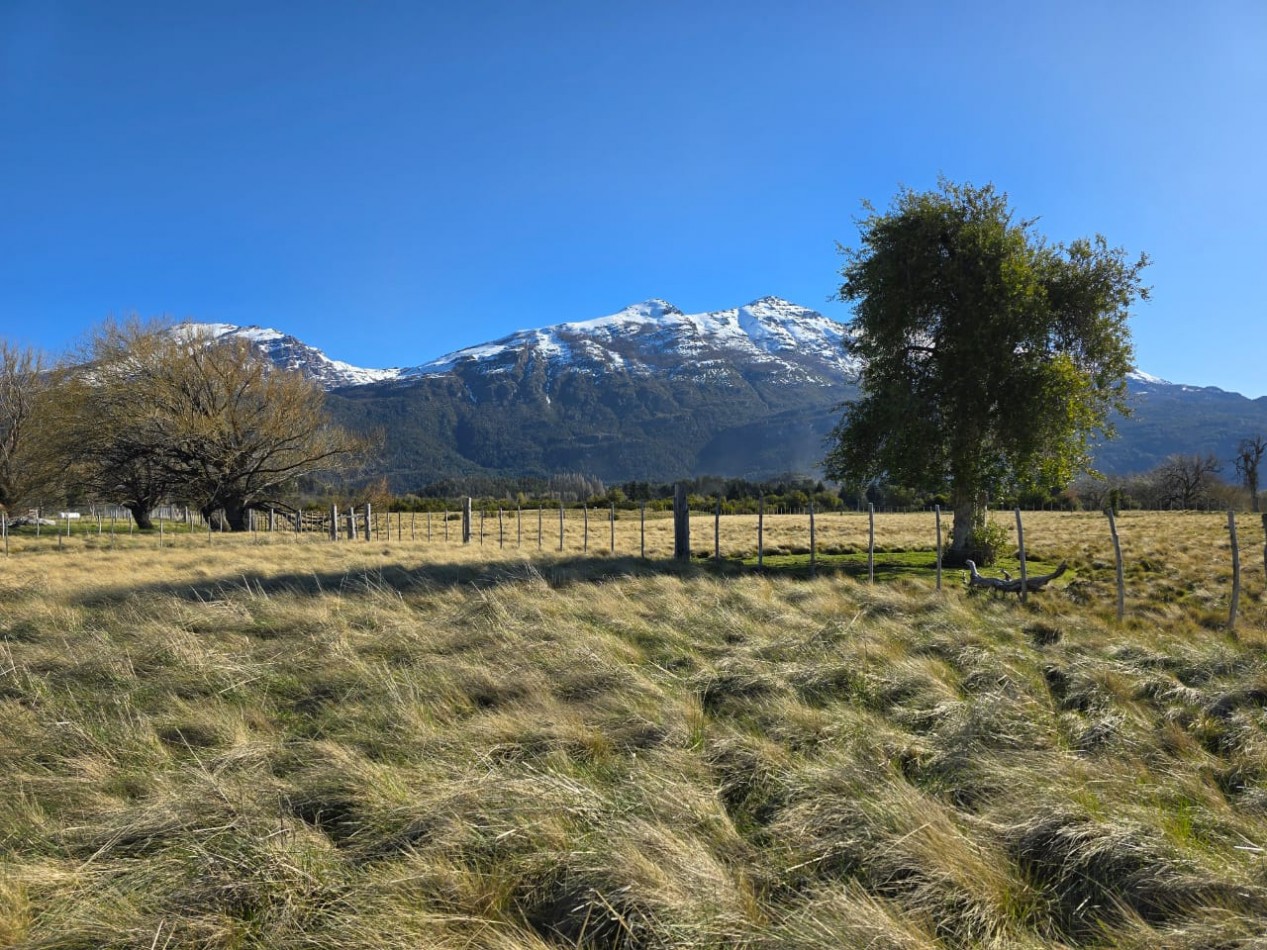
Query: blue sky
pixel 390 181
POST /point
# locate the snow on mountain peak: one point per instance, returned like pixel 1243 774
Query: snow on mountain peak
pixel 654 335
pixel 290 353
pixel 771 335
pixel 1149 379
pixel 654 308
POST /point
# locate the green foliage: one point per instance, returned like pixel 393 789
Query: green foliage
pixel 986 542
pixel 990 357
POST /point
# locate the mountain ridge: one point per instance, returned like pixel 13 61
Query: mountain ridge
pixel 653 392
pixel 289 351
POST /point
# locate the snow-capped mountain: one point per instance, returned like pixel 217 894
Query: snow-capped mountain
pixel 654 336
pixel 290 352
pixel 651 392
pixel 783 340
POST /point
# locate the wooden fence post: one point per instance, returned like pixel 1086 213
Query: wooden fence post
pixel 446 524
pixel 613 529
pixel 813 547
pixel 1117 556
pixel 585 527
pixel 334 523
pixel 760 530
pixel 4 530
pixel 466 520
pixel 681 524
pixel 160 528
pixel 870 543
pixel 937 512
pixel 370 523
pixel 642 530
pixel 483 512
pixel 540 524
pixel 560 522
pixel 1265 543
pixel 501 529
pixel 717 531
pixel 519 525
pixel 1236 570
pixel 1020 548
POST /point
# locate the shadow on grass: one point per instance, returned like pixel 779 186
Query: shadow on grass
pixel 889 566
pixel 405 577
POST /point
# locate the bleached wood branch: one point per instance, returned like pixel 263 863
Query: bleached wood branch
pixel 1008 585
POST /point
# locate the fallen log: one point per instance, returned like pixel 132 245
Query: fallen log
pixel 1006 584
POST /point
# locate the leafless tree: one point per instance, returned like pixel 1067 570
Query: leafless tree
pixel 108 432
pixel 1249 454
pixel 25 465
pixel 1185 481
pixel 168 412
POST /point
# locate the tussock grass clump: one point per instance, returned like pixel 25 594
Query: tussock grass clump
pixel 345 746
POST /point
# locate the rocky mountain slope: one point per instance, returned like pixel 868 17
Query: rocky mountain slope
pixel 292 353
pixel 652 392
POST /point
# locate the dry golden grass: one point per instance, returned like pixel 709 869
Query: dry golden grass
pixel 1175 563
pixel 395 744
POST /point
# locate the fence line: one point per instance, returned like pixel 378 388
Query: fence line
pixel 99 526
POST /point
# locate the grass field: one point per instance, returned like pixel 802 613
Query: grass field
pixel 401 744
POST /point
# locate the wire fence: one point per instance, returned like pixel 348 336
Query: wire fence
pixel 860 542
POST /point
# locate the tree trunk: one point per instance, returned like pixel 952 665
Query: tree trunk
pixel 141 515
pixel 235 515
pixel 965 517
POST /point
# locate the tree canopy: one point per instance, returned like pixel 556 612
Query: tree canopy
pixel 161 412
pixel 989 357
pixel 26 468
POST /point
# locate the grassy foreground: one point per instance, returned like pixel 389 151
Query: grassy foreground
pixel 348 746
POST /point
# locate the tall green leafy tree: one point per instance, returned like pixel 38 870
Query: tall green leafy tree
pixel 990 358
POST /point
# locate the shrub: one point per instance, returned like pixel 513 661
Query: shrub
pixel 986 542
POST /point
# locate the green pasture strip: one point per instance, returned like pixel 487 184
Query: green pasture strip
pixel 892 565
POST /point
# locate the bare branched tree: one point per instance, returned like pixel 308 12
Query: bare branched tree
pixel 1249 455
pixel 1185 481
pixel 109 431
pixel 167 412
pixel 25 465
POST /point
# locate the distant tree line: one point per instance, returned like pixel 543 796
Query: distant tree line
pixel 1181 482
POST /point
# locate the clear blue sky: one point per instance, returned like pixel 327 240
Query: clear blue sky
pixel 393 180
